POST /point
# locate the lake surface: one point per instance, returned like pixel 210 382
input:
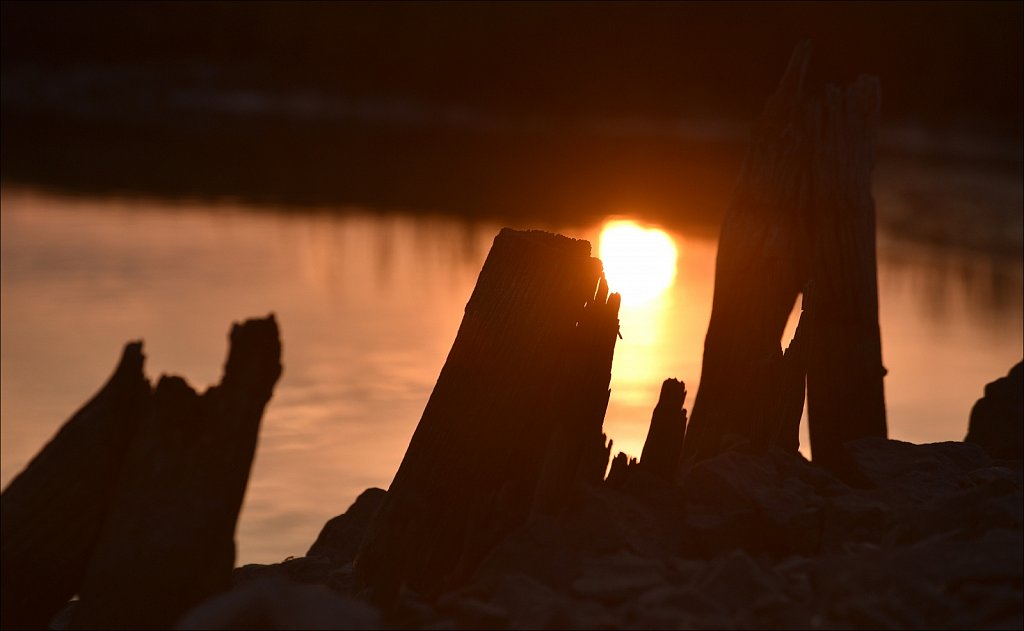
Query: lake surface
pixel 368 306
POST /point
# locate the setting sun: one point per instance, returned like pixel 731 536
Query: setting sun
pixel 639 263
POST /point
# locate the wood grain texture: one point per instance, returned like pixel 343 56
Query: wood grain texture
pixel 520 367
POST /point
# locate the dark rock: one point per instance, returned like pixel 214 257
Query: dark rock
pixel 924 585
pixel 997 419
pixel 750 540
pixel 734 580
pixel 617 578
pixel 254 571
pixel 340 538
pixel 925 481
pixel 274 603
pixel 754 502
pixel 916 473
pixel 531 603
pixel 478 614
pixel 308 569
pixel 676 600
pixel 855 517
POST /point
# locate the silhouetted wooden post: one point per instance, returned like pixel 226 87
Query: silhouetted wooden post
pixel 472 468
pixel 52 512
pixel 668 426
pixel 802 214
pixel 845 395
pixel 618 473
pixel 577 442
pixel 760 269
pixel 168 540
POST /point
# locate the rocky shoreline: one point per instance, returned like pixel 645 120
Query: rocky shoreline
pixel 931 538
pixel 915 536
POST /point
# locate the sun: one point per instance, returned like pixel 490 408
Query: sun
pixel 639 263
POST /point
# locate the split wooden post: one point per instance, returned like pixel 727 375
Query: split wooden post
pixel 802 217
pixel 473 466
pixel 168 540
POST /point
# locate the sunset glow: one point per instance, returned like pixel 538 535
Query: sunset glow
pixel 639 263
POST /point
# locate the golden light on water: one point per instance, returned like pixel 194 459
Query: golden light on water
pixel 639 263
pixel 369 305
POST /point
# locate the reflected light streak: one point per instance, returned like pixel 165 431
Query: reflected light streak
pixel 639 263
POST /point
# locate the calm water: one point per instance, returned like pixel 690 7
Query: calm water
pixel 368 306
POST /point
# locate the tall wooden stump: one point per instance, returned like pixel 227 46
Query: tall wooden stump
pixel 802 216
pixel 519 368
pixel 760 269
pixel 52 512
pixel 168 540
pixel 845 396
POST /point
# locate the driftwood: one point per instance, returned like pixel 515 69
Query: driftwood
pixel 528 373
pixel 665 436
pixel 168 541
pixel 802 217
pixel 52 512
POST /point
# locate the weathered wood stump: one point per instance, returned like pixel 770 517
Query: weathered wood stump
pixel 665 435
pixel 577 445
pixel 619 471
pixel 168 540
pixel 802 216
pixel 529 369
pixel 845 395
pixel 760 269
pixel 52 512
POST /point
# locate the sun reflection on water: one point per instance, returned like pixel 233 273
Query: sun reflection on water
pixel 639 263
